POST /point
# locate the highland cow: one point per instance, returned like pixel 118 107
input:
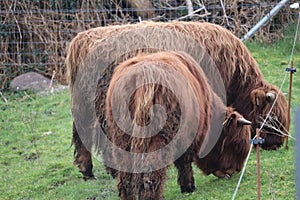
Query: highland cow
pixel 246 88
pixel 225 158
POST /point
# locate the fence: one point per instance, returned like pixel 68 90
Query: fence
pixel 34 34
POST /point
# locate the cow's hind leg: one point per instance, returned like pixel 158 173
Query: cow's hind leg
pixel 107 156
pixel 126 186
pixel 83 158
pixel 113 172
pixel 185 173
pixel 153 185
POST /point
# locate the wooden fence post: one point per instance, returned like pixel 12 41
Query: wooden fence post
pixel 258 163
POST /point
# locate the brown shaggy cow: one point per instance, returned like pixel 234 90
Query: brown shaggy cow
pixel 225 158
pixel 245 86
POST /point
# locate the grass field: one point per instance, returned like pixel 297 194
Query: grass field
pixel 36 153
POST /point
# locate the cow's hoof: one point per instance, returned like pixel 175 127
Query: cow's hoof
pixel 222 175
pixel 86 178
pixel 187 189
pixel 227 176
pixel 87 175
pixel 112 172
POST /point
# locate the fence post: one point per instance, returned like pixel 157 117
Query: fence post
pixel 258 164
pixel 266 18
pixel 292 70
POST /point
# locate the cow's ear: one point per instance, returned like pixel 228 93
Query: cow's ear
pixel 229 120
pixel 241 121
pixel 257 97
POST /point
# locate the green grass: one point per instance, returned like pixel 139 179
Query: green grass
pixel 36 153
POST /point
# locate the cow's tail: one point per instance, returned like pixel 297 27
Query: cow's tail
pixel 150 95
pixel 151 104
pixel 154 104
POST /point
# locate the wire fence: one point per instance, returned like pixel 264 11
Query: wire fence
pixel 34 34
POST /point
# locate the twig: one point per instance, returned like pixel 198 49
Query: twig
pixel 51 82
pixel 282 126
pixel 3 97
pixel 28 96
pixel 31 125
pixel 271 123
pixel 193 13
pixel 224 12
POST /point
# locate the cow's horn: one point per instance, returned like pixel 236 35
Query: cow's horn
pixel 243 121
pixel 270 96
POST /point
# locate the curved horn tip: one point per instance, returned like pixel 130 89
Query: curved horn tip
pixel 243 121
pixel 270 96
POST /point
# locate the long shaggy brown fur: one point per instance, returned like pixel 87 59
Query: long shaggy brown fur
pixel 227 156
pixel 239 70
pixel 242 78
pixel 223 160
